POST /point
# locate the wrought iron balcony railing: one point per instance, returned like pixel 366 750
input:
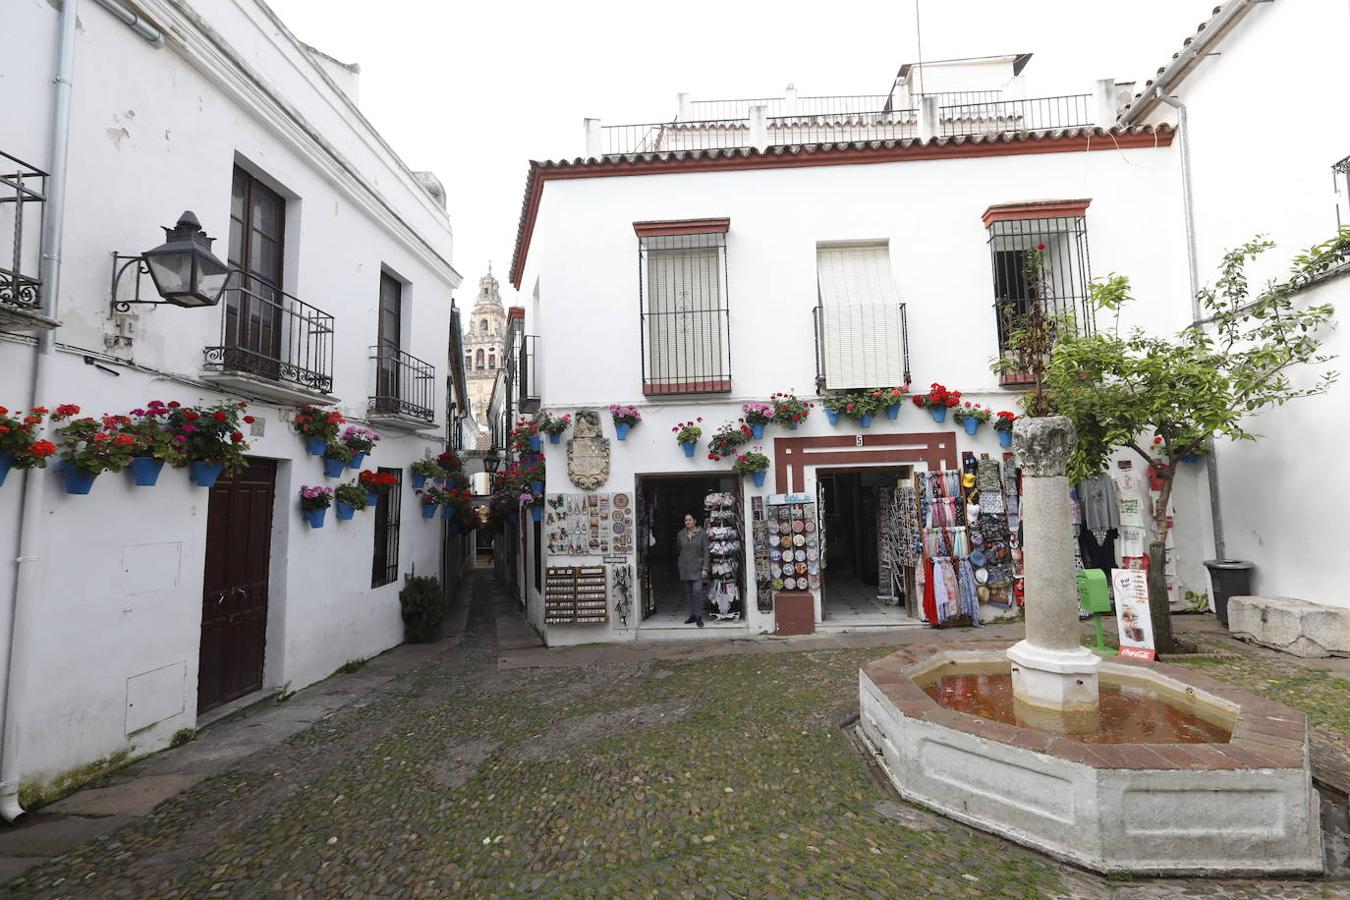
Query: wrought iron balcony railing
pixel 23 199
pixel 1035 114
pixel 524 373
pixel 863 346
pixel 268 333
pixel 405 386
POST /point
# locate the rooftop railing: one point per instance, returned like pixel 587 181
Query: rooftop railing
pixel 1035 114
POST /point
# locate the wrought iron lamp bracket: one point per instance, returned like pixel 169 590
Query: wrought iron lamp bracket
pixel 121 263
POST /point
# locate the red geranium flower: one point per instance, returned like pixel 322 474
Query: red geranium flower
pixel 67 409
pixel 219 416
pixel 249 420
pixel 174 404
pixel 236 436
pixel 191 415
pixel 42 448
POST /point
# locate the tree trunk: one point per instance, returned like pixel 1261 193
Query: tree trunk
pixel 1159 605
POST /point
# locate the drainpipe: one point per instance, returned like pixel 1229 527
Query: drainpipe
pixel 1193 270
pixel 133 20
pixel 28 582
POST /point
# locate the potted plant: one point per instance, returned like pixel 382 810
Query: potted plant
pixel 789 410
pixel 531 469
pixel 554 426
pixel 155 443
pixel 1003 424
pixel 890 399
pixel 449 463
pixel 18 447
pixel 423 469
pixel 937 401
pixel 348 498
pixel 625 417
pixel 971 416
pixel 861 407
pixel 430 498
pixel 210 438
pixel 336 457
pixel 359 441
pixel 319 426
pixel 687 435
pixel 375 484
pixel 757 415
pixel 727 438
pixel 535 503
pixel 752 463
pixel 90 447
pixel 314 503
pixel 525 436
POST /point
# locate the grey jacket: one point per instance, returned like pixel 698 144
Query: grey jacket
pixel 693 553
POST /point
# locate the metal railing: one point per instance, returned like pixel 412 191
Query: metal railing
pixel 1041 271
pixel 818 105
pixel 1035 114
pixel 269 333
pixel 961 98
pixel 887 125
pixel 525 373
pixel 22 187
pixel 404 384
pixel 685 316
pixel 889 337
pixel 666 137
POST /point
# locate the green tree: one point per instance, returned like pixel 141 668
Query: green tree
pixel 1166 398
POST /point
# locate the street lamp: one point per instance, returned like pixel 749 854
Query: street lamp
pixel 492 461
pixel 184 270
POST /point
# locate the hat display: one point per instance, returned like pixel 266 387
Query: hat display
pixel 968 480
pixel 977 558
pixel 981 576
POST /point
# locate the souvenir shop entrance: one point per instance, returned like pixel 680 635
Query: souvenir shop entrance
pixel 662 503
pixel 860 585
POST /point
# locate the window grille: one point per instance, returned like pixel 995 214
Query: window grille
pixel 686 346
pixel 1059 289
pixel 861 331
pixel 388 512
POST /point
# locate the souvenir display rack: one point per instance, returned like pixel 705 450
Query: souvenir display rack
pixel 576 595
pixel 588 524
pixel 723 523
pixel 793 544
pixel 760 533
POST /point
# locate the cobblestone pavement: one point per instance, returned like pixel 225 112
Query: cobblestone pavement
pixel 724 776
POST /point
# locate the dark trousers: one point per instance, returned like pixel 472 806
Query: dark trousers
pixel 694 591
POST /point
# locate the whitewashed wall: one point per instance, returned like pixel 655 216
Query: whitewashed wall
pixel 584 259
pixel 1263 140
pixel 156 131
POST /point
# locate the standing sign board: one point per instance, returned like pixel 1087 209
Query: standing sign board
pixel 1133 620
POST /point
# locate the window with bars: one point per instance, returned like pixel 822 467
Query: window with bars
pixel 388 511
pixel 1040 267
pixel 686 345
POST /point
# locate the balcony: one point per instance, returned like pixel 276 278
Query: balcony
pixel 405 390
pixel 23 201
pixel 522 373
pixel 272 345
pixel 1035 114
pixel 861 346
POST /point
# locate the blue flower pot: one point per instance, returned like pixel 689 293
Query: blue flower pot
pixel 428 510
pixel 939 413
pixel 792 426
pixel 372 497
pixel 758 477
pixel 1191 458
pixel 833 416
pixel 315 517
pixel 1005 438
pixel 971 425
pixel 345 511
pixel 536 513
pixel 145 470
pixel 78 481
pixel 893 411
pixel 865 420
pixel 757 430
pixel 535 445
pixel 204 474
pixel 621 430
pixel 419 481
pixel 537 487
pixel 688 447
pixel 315 446
pixel 6 461
pixel 357 459
pixel 333 468
pixel 552 439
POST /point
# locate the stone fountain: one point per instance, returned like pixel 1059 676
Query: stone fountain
pixel 1120 765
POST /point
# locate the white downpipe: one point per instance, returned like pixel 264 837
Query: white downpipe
pixel 28 582
pixel 1193 269
pixel 133 20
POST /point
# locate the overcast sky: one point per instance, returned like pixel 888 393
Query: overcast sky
pixel 473 91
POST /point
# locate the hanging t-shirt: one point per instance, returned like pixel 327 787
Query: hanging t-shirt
pixel 1132 498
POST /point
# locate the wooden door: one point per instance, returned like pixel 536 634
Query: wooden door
pixel 253 310
pixel 234 591
pixel 388 389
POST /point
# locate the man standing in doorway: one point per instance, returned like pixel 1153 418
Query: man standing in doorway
pixel 692 560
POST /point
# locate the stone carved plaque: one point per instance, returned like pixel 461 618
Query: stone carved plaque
pixel 587 452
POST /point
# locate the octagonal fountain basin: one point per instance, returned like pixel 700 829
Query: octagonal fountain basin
pixel 1177 774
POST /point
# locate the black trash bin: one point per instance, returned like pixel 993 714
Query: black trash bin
pixel 1230 578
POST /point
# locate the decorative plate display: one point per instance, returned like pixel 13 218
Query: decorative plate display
pixel 775 554
pixel 799 555
pixel 778 584
pixel 790 584
pixel 617 527
pixel 798 540
pixel 815 582
pixel 621 500
pixel 813 554
pixel 798 526
pixel 813 568
pixel 773 528
pixel 786 542
pixel 810 526
pixel 810 540
pixel 775 570
pixel 800 568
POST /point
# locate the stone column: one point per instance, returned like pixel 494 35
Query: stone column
pixel 1051 670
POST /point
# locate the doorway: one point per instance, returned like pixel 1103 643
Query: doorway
pixel 662 502
pixel 860 585
pixel 234 589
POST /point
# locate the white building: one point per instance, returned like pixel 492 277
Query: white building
pixel 769 260
pixel 1291 182
pixel 140 609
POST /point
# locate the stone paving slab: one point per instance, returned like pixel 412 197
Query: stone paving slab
pixel 131 797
